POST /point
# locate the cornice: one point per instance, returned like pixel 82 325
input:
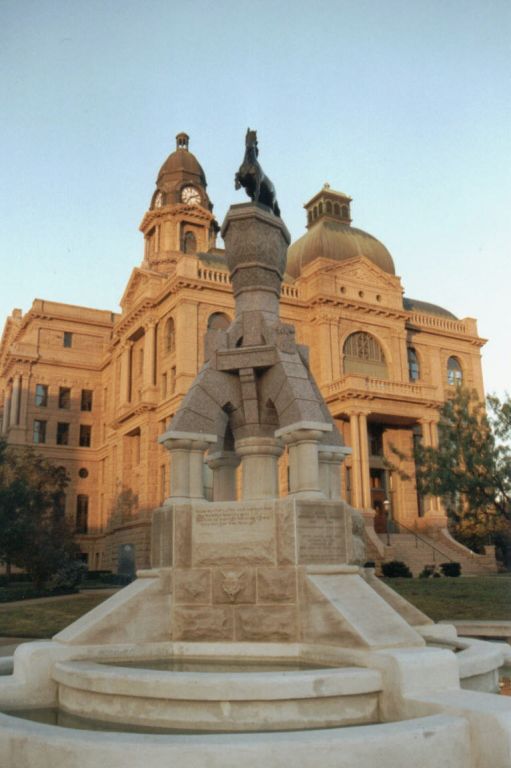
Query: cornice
pixel 175 210
pixel 131 411
pixel 319 303
pixel 133 315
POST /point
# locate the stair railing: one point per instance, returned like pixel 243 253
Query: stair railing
pixel 418 538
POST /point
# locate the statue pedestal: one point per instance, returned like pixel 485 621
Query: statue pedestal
pixel 268 571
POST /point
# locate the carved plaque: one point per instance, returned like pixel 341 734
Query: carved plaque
pixel 321 535
pixel 240 535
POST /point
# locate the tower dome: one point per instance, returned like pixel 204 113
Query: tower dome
pixel 181 178
pixel 331 236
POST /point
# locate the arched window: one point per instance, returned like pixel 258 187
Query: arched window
pixel 170 335
pixel 320 208
pixel 315 211
pixel 218 321
pixel 82 513
pixel 189 243
pixel 328 206
pixel 363 355
pixel 454 371
pixel 345 212
pixel 336 209
pixel 414 371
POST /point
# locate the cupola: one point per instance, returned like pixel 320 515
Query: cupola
pixel 181 178
pixel 331 236
pixel 328 203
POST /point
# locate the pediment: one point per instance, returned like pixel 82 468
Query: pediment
pixel 362 271
pixel 142 284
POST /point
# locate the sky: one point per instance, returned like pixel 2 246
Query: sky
pixel 404 105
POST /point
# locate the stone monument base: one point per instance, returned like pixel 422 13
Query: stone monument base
pixel 281 571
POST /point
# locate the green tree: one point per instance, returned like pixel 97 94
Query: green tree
pixel 34 534
pixel 471 467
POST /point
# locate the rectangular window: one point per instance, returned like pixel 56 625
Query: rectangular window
pixel 85 435
pixel 68 339
pixel 173 379
pixel 64 397
pixel 63 433
pixel 39 431
pixel 164 385
pixel 41 395
pixel 86 400
pixel 82 513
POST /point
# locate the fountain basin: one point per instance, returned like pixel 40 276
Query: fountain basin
pixel 212 701
pixel 425 741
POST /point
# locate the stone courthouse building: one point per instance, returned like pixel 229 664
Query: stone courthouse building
pixel 93 389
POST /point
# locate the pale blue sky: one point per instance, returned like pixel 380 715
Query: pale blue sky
pixel 405 105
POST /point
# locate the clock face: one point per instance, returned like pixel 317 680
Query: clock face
pixel 158 200
pixel 191 196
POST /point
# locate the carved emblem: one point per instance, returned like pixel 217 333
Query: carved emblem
pixel 232 584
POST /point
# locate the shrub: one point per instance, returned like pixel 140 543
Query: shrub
pixel 14 578
pixel 396 569
pixel 100 575
pixel 68 577
pixel 427 571
pixel 451 569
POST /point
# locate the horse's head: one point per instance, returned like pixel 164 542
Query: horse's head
pixel 251 138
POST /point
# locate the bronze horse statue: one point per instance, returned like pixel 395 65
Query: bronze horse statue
pixel 251 176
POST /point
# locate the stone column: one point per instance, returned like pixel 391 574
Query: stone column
pixel 15 401
pixel 25 385
pixel 179 470
pixel 149 355
pixel 186 464
pixel 125 373
pixel 196 468
pixel 7 409
pixel 356 480
pixel 434 513
pixel 364 461
pixel 186 346
pixel 303 440
pixel 330 459
pixel 260 472
pixel 223 465
pixel 326 334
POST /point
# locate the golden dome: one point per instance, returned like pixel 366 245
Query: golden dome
pixel 331 236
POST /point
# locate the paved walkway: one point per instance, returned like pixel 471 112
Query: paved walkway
pixel 482 628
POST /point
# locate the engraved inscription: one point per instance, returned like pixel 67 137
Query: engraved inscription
pixel 239 535
pixel 321 536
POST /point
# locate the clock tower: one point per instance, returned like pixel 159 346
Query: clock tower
pixel 180 217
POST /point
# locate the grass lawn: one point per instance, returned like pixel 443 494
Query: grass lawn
pixel 467 597
pixel 46 618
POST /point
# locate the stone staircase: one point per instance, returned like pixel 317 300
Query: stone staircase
pixel 420 550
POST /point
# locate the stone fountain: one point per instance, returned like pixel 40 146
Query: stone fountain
pixel 307 658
